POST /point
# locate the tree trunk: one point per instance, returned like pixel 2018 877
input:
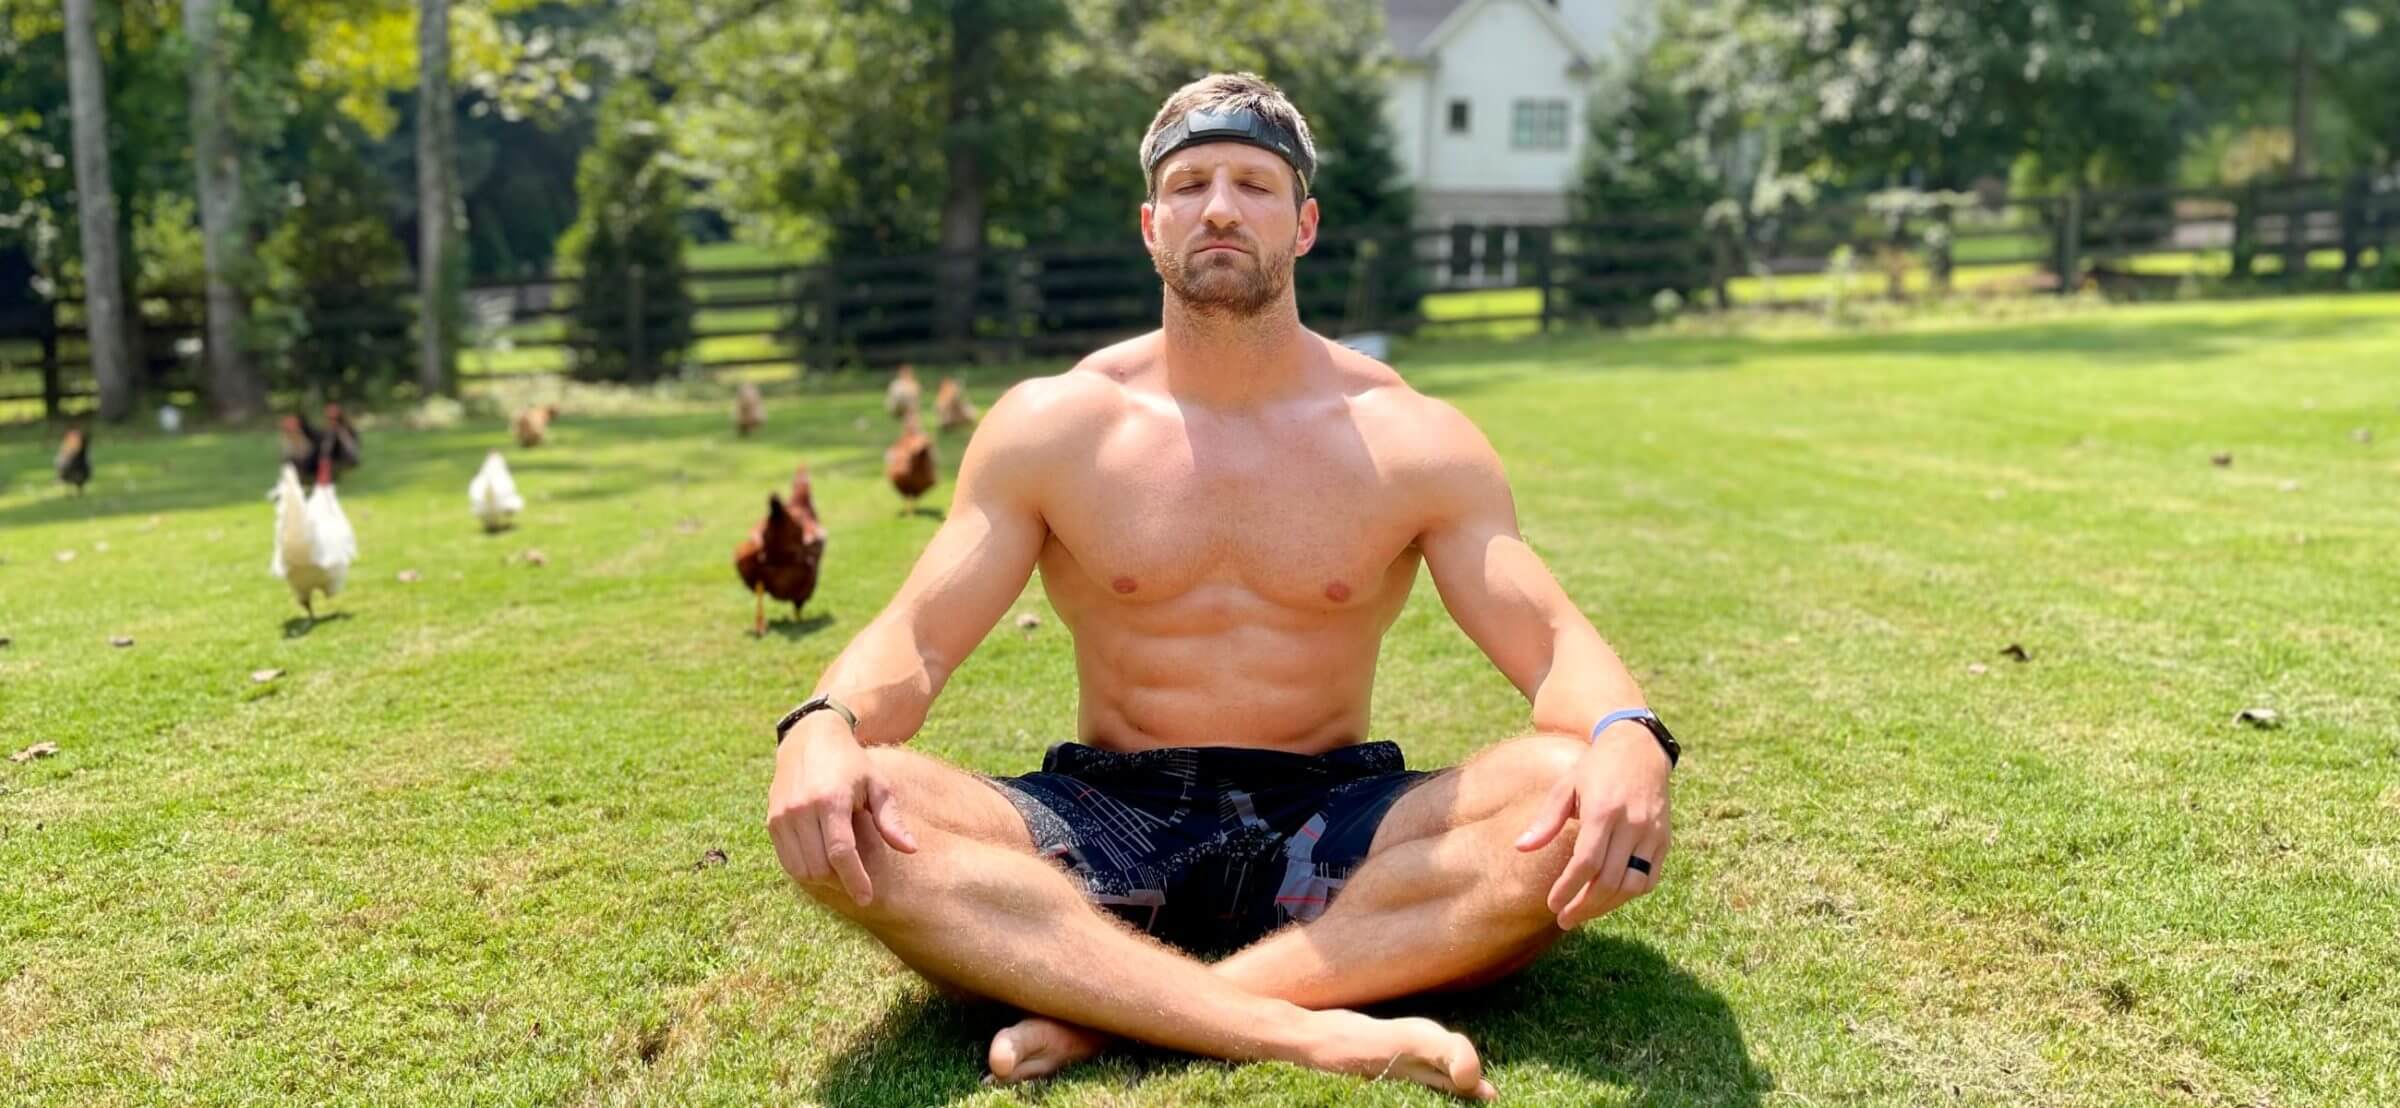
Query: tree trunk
pixel 96 211
pixel 232 387
pixel 2296 210
pixel 963 147
pixel 2303 109
pixel 437 291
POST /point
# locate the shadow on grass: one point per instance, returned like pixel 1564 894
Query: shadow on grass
pixel 1609 1011
pixel 800 627
pixel 299 627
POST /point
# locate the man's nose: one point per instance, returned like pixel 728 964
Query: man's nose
pixel 1221 213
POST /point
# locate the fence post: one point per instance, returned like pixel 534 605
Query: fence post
pixel 1720 266
pixel 2245 232
pixel 1545 273
pixel 637 335
pixel 2070 240
pixel 2354 236
pixel 1938 261
pixel 2296 210
pixel 53 389
pixel 1016 295
pixel 829 309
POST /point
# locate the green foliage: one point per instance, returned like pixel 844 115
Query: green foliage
pixel 633 313
pixel 1641 198
pixel 336 317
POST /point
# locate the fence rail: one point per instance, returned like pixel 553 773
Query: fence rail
pixel 1050 300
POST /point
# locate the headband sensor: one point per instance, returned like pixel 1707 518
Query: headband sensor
pixel 1234 125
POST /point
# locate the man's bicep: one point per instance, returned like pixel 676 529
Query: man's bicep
pixel 982 555
pixel 1491 582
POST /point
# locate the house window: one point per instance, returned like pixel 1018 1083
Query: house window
pixel 1539 125
pixel 1458 117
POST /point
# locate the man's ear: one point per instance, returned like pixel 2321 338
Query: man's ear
pixel 1149 234
pixel 1308 227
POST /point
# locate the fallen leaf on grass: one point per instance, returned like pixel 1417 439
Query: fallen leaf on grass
pixel 2015 652
pixel 687 527
pixel 409 577
pixel 2262 718
pixel 1027 621
pixel 120 641
pixel 535 558
pixel 2362 436
pixel 37 750
pixel 714 857
pixel 66 555
pixel 262 676
pixel 1978 668
pixel 2221 460
pixel 2288 486
pixel 100 547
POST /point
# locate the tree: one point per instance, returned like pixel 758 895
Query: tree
pixel 1639 200
pixel 437 158
pixel 234 390
pixel 633 314
pixel 103 312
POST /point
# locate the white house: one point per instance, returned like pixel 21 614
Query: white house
pixel 1489 108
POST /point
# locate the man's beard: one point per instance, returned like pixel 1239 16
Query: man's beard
pixel 1224 286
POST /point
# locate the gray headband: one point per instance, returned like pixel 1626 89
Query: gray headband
pixel 1234 125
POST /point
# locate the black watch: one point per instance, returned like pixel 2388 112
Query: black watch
pixel 810 706
pixel 1650 721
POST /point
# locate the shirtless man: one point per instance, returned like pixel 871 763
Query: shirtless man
pixel 1228 513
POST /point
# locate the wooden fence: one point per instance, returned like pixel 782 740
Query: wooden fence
pixel 1040 302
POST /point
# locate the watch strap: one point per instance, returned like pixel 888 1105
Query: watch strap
pixel 811 706
pixel 1650 722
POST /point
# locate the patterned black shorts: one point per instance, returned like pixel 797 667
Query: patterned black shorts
pixel 1208 848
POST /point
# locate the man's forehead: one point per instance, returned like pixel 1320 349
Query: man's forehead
pixel 1203 156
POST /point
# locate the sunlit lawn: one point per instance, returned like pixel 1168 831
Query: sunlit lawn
pixel 459 851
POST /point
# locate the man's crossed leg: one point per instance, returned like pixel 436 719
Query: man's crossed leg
pixel 1444 900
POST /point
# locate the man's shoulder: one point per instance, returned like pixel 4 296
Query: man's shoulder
pixel 1389 409
pixel 1061 408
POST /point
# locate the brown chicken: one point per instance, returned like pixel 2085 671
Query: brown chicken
pixel 783 553
pixel 901 398
pixel 340 443
pixel 749 410
pixel 910 463
pixel 951 404
pixel 75 459
pixel 532 426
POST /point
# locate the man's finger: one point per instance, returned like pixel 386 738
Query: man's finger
pixel 1596 901
pixel 1552 816
pixel 1654 851
pixel 886 809
pixel 1614 866
pixel 841 854
pixel 1590 842
pixel 810 844
pixel 787 847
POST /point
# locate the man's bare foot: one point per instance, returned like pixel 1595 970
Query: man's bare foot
pixel 1412 1049
pixel 1038 1046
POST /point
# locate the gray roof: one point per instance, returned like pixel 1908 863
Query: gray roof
pixel 1409 22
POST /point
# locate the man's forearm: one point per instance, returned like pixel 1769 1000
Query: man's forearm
pixel 886 680
pixel 1585 681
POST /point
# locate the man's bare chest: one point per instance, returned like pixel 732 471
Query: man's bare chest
pixel 1304 531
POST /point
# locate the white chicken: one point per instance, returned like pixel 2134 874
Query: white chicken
pixel 493 494
pixel 314 544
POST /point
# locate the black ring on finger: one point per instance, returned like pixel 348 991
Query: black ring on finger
pixel 1637 864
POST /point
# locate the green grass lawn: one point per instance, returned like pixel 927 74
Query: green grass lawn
pixel 455 853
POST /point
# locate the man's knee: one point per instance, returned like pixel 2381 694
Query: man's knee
pixel 1530 768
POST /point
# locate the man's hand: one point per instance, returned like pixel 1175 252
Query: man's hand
pixel 823 785
pixel 1618 796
